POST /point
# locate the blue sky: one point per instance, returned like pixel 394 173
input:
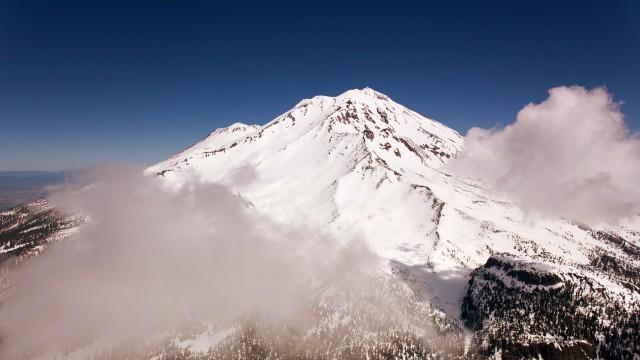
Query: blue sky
pixel 83 82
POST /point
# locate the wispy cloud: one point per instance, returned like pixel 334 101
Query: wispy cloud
pixel 150 259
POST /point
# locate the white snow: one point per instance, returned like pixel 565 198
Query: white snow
pixel 4 250
pixel 207 340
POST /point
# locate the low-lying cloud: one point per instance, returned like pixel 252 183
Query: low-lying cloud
pixel 570 156
pixel 149 259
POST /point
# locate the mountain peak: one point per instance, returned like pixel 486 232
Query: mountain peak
pixel 366 93
pixel 353 125
pixel 235 127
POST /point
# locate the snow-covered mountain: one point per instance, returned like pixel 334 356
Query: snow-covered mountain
pixel 361 165
pixel 357 163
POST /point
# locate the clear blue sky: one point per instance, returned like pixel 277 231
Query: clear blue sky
pixel 87 81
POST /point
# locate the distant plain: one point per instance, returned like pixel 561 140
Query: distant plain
pixel 19 187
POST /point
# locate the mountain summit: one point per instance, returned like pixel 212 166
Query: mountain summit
pixel 366 119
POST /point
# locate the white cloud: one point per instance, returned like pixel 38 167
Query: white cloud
pixel 570 156
pixel 150 259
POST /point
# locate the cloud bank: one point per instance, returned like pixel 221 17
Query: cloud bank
pixel 570 156
pixel 150 260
